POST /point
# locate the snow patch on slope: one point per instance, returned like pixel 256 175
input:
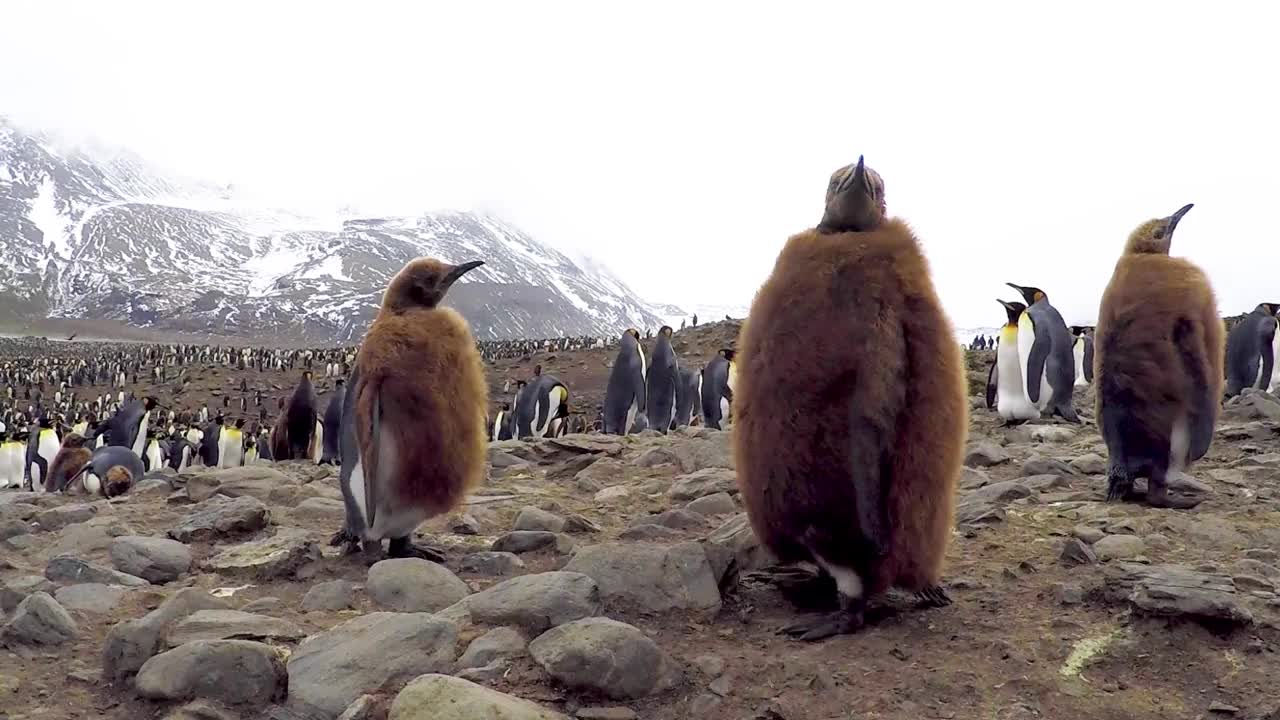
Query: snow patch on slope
pixel 54 225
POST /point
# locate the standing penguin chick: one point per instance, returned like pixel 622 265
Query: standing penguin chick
pixel 300 420
pixel 1158 356
pixel 68 462
pixel 1250 350
pixel 662 383
pixel 850 408
pixel 332 425
pixel 413 439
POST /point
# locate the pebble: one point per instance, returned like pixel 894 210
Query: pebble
pixel 39 620
pixel 440 697
pixel 1076 552
pixel 523 541
pixel 677 519
pixel 701 483
pixel 131 643
pixel 492 563
pixel 1119 547
pixel 655 578
pixel 60 517
pixel 985 454
pixel 230 625
pixel 606 656
pixel 71 570
pixel 613 494
pixel 156 560
pixel 648 533
pixel 1087 534
pixel 714 504
pixel 532 518
pixel 606 713
pixel 231 671
pixel 330 596
pixel 464 524
pixel 278 556
pixel 497 644
pixel 709 665
pixel 330 670
pixel 220 517
pixel 90 597
pixel 1090 464
pixel 533 603
pixel 414 585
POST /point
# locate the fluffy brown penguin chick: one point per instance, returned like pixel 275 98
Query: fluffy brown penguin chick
pixel 413 419
pixel 72 456
pixel 850 412
pixel 1158 365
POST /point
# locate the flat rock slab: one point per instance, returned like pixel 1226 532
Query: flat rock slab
pixel 321 508
pixel 157 560
pixel 330 596
pixel 60 517
pixel 413 585
pixel 231 625
pixel 985 454
pixel 90 597
pixel 532 518
pixel 132 642
pixel 702 483
pixel 653 578
pixel 492 563
pixel 440 697
pixel 69 570
pixel 533 603
pixel 330 671
pixel 605 656
pixel 1176 590
pixel 498 643
pixel 39 620
pixel 247 481
pixel 278 556
pixel 220 516
pixel 231 671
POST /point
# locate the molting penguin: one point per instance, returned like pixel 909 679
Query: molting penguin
pixel 110 472
pixel 70 459
pixel 413 438
pixel 849 434
pixel 717 388
pixel 1082 349
pixel 1011 391
pixel 662 383
pixel 688 397
pixel 542 407
pixel 624 397
pixel 1251 350
pixel 1158 365
pixel 332 455
pixel 1045 355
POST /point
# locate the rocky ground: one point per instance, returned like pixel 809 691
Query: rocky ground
pixel 611 578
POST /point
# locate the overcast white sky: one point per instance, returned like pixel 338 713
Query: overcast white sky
pixel 682 142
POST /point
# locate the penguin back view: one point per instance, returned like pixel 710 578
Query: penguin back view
pixel 1158 365
pixel 850 411
pixel 413 416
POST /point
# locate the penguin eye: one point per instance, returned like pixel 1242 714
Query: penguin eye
pixel 1159 233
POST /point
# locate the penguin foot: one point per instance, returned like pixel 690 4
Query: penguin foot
pixel 841 622
pixel 349 542
pixel 1119 486
pixel 402 548
pixel 935 596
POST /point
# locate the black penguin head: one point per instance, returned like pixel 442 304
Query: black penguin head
pixel 1032 295
pixel 1013 310
pixel 1155 236
pixel 339 382
pixel 150 403
pixel 855 200
pixel 634 333
pixel 665 331
pixel 46 422
pixel 728 353
pixel 1268 308
pixel 239 423
pixel 423 283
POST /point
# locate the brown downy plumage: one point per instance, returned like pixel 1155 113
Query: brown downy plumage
pixel 1158 364
pixel 72 456
pixel 419 406
pixel 850 412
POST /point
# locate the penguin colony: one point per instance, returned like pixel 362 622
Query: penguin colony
pixel 844 394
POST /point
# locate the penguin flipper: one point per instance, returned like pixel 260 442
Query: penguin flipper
pixel 1036 355
pixel 869 453
pixel 992 379
pixel 1202 415
pixel 355 523
pixel 1268 356
pixel 1088 360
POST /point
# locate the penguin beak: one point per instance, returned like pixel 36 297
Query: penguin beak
pixel 1174 218
pixel 853 179
pixel 459 270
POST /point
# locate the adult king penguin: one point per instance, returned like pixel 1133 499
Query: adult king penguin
pixel 1158 365
pixel 849 433
pixel 13 453
pixel 1082 349
pixel 1045 355
pixel 662 383
pixel 296 426
pixel 688 397
pixel 413 437
pixel 624 396
pixel 130 425
pixel 1011 391
pixel 42 447
pixel 332 455
pixel 542 407
pixel 1251 350
pixel 718 378
pixel 231 445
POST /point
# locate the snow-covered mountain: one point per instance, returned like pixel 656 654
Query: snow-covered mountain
pixel 96 235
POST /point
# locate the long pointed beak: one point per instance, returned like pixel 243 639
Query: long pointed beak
pixel 855 178
pixel 1005 304
pixel 460 270
pixel 1015 287
pixel 1174 218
